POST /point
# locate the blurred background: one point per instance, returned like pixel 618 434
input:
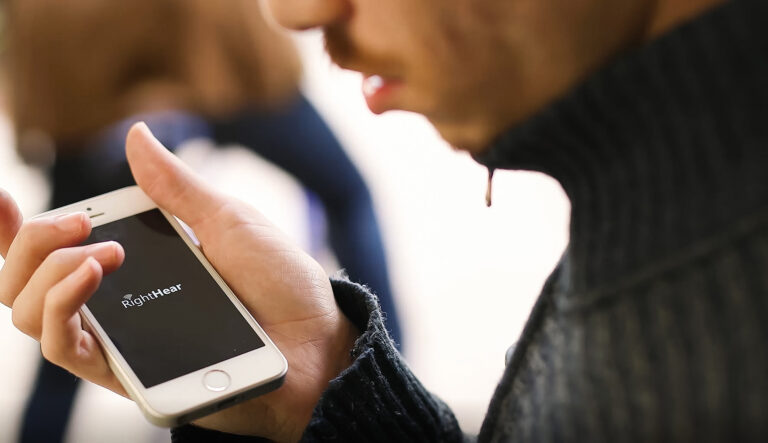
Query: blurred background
pixel 463 276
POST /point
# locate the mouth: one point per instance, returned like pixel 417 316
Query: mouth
pixel 381 92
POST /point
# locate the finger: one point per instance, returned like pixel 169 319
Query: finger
pixel 10 221
pixel 169 182
pixel 28 307
pixel 63 341
pixel 35 240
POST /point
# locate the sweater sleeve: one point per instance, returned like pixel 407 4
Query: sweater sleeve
pixel 376 399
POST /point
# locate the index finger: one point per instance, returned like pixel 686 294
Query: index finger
pixel 10 221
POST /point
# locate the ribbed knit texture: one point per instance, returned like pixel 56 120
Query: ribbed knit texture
pixel 378 398
pixel 654 327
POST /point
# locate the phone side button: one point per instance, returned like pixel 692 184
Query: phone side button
pixel 216 380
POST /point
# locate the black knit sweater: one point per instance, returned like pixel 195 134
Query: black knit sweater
pixel 654 326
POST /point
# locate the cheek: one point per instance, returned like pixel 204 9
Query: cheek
pixel 447 77
pixel 476 66
pixel 434 66
pixel 448 43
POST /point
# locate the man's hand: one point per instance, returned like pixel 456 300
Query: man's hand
pixel 47 278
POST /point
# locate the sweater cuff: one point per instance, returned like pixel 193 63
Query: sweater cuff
pixel 377 398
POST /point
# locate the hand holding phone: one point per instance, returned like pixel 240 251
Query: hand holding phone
pixel 48 277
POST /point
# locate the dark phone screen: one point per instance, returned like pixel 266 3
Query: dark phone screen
pixel 162 309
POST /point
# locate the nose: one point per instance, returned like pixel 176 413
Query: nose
pixel 306 14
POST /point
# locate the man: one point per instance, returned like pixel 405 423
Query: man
pixel 652 116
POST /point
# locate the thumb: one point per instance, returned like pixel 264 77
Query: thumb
pixel 169 182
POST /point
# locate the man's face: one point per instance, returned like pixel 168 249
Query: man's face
pixel 472 67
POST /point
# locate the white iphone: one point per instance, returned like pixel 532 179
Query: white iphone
pixel 179 340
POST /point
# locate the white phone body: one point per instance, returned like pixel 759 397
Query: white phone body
pixel 200 391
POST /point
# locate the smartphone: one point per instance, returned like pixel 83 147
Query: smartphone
pixel 176 336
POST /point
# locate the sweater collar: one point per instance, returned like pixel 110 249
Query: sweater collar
pixel 659 150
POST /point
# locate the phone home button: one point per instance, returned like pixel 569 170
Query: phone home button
pixel 216 380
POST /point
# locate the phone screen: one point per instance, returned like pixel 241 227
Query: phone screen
pixel 162 309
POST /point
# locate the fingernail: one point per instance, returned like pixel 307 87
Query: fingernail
pixel 70 222
pixel 103 252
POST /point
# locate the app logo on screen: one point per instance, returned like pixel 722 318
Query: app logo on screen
pixel 129 301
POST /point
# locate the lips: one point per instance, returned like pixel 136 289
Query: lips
pixel 380 92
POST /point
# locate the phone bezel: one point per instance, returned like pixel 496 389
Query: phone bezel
pixel 184 398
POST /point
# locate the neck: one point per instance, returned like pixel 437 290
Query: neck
pixel 566 56
pixel 668 14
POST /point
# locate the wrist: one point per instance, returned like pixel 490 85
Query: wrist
pixel 338 357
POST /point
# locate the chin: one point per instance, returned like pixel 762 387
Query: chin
pixel 472 138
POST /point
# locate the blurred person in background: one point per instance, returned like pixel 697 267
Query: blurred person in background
pixel 81 72
pixel 651 114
